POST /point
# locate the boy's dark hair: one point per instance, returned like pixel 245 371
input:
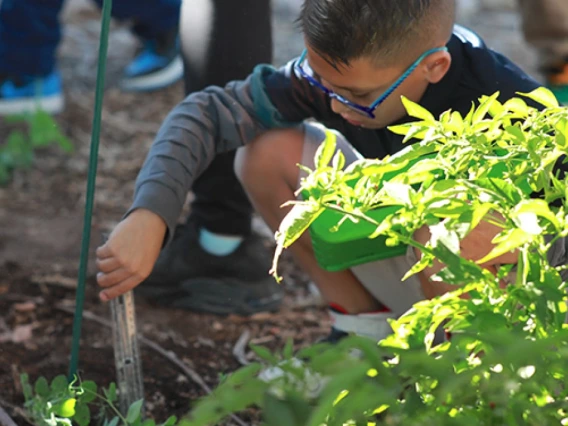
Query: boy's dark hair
pixel 343 30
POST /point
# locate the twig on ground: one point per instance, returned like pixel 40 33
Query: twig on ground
pixel 56 280
pixel 169 355
pixel 262 340
pixel 239 348
pixel 22 298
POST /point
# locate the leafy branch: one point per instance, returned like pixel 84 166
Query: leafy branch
pixel 506 360
pixel 60 403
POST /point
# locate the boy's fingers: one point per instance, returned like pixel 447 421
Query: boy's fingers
pixel 104 251
pixel 113 278
pixel 107 265
pixel 115 291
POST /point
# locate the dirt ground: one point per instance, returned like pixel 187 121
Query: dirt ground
pixel 41 216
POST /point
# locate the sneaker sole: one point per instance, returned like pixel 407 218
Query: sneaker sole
pixel 51 104
pixel 158 80
pixel 210 296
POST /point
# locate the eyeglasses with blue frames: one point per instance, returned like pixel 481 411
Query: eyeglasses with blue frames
pixel 368 111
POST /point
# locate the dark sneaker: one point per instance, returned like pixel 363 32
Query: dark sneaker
pixel 27 94
pixel 187 277
pixel 158 65
pixel 557 81
pixel 334 336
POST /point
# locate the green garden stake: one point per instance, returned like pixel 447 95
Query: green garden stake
pixel 127 357
pixel 90 195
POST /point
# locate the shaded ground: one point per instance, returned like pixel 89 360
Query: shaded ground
pixel 35 336
pixel 41 214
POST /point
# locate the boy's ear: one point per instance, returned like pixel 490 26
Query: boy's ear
pixel 437 65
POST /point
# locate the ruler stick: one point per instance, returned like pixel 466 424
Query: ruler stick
pixel 126 352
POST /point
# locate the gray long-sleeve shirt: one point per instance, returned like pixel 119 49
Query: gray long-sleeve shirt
pixel 217 120
pixel 223 119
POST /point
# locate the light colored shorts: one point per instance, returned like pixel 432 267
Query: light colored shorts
pixel 383 278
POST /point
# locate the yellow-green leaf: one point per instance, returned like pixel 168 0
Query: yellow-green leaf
pixel 338 160
pixel 517 105
pixel 417 111
pixel 325 151
pixel 543 96
pixel 456 123
pixel 401 129
pixel 539 208
pixel 292 227
pixel 419 266
pixel 483 109
pixel 514 240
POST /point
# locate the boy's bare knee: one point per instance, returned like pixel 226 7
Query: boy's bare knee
pixel 274 152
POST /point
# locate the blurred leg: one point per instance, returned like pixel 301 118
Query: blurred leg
pixel 151 17
pixel 215 264
pixel 223 40
pixel 158 64
pixel 29 34
pixel 545 26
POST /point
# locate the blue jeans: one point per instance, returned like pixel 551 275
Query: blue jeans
pixel 30 30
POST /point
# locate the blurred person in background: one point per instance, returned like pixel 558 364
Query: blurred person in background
pixel 545 26
pixel 216 263
pixel 30 33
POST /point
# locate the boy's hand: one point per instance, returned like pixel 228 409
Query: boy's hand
pixel 129 255
pixel 478 244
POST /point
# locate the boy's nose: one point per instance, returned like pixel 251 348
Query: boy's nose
pixel 338 108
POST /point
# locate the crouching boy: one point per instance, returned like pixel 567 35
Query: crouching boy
pixel 361 56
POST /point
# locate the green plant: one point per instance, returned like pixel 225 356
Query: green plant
pixel 61 403
pixel 19 147
pixel 507 359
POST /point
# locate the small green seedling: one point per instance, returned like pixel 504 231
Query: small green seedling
pixel 17 151
pixel 60 403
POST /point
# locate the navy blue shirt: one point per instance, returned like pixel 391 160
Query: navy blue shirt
pixel 475 71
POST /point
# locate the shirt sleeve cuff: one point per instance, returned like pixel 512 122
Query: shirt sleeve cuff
pixel 161 200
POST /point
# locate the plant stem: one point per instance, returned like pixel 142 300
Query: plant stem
pixel 108 403
pixel 353 214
